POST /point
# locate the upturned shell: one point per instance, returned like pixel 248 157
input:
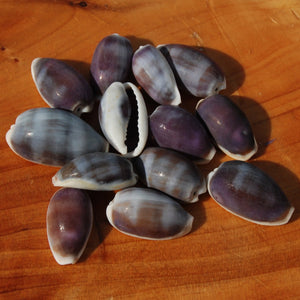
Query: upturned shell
pixel 171 173
pixel 61 86
pixel 198 73
pixel 249 193
pixel 148 214
pixel 96 171
pixel 155 76
pixel 69 224
pixel 52 136
pixel 177 129
pixel 111 61
pixel 123 118
pixel 228 125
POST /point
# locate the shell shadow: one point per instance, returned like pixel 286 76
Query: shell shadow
pixel 259 120
pixel 101 226
pixel 92 118
pixel 82 67
pixel 232 69
pixel 197 211
pixel 286 179
pixel 136 42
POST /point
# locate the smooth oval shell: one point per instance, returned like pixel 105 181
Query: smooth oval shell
pixel 171 173
pixel 52 136
pixel 155 76
pixel 61 86
pixel 69 224
pixel 229 126
pixel 96 171
pixel 123 118
pixel 248 192
pixel 148 214
pixel 177 129
pixel 198 73
pixel 111 61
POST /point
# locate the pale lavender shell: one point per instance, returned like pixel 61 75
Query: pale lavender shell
pixel 171 173
pixel 155 76
pixel 53 136
pixel 98 171
pixel 148 214
pixel 198 73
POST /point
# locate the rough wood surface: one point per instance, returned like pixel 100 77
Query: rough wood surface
pixel 256 43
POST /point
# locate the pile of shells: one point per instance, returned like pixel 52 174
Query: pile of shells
pixel 151 181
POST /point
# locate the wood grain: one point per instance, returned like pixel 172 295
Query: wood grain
pixel 256 43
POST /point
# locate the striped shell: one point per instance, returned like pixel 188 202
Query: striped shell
pixel 96 171
pixel 52 136
pixel 148 214
pixel 171 173
pixel 155 76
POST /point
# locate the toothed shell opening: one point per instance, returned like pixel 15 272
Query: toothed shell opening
pixel 128 132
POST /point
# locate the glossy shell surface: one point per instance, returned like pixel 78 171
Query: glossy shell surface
pixel 52 136
pixel 248 192
pixel 148 214
pixel 69 224
pixel 198 73
pixel 123 118
pixel 96 171
pixel 229 126
pixel 171 173
pixel 155 76
pixel 61 86
pixel 177 129
pixel 111 61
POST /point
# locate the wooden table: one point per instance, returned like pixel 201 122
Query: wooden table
pixel 256 43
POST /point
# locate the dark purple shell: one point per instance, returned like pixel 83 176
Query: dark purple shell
pixel 177 129
pixel 61 86
pixel 198 73
pixel 111 61
pixel 249 193
pixel 69 223
pixel 228 125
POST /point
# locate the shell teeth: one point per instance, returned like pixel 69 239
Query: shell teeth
pixel 124 120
